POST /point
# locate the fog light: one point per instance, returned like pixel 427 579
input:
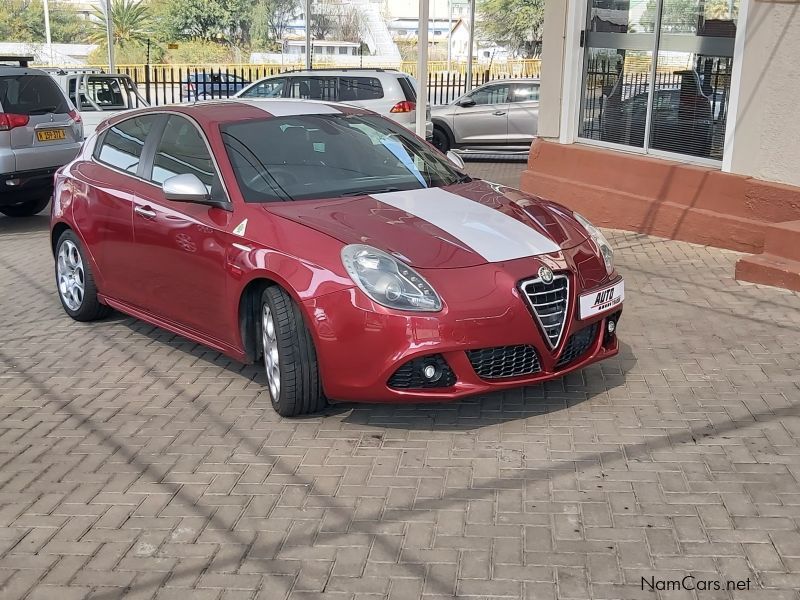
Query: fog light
pixel 431 373
pixel 611 326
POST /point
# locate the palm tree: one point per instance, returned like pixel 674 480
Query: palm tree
pixel 129 18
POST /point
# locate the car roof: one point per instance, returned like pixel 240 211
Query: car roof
pixel 215 112
pixel 12 70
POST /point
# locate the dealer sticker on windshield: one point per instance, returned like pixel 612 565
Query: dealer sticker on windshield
pixel 602 300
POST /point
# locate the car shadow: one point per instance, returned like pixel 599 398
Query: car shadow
pixel 459 415
pixel 36 223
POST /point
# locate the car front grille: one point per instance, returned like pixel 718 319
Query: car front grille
pixel 549 302
pixel 504 361
pixel 577 345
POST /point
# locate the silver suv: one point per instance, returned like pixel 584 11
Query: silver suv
pixel 387 92
pixel 40 130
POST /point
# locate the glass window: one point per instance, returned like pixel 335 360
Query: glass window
pixel 181 150
pixel 343 50
pixel 122 144
pixel 313 88
pixel 359 88
pixel 491 94
pixel 31 95
pixel 675 55
pixel 326 156
pixel 527 92
pixel 269 88
pixel 108 93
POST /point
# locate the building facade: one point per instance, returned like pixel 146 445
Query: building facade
pixel 677 118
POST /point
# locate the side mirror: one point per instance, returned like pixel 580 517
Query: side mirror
pixel 185 188
pixel 455 159
pixel 466 101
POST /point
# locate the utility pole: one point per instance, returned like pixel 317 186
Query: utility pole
pixel 471 43
pixel 449 36
pixel 308 34
pixel 422 68
pixel 47 38
pixel 110 37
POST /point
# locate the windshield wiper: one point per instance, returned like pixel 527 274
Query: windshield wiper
pixel 42 111
pixel 385 190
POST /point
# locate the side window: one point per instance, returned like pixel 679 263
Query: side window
pixel 313 88
pixel 491 94
pixel 525 93
pixel 122 144
pixel 359 88
pixel 181 150
pixel 270 88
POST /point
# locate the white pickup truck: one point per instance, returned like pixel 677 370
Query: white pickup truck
pixel 97 95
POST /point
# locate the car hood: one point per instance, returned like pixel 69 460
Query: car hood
pixel 452 227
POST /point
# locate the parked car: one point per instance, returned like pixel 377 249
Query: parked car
pixel 501 116
pixel 334 245
pixel 98 95
pixel 210 86
pixel 40 131
pixel 384 91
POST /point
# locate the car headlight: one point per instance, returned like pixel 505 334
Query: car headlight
pixel 389 281
pixel 603 247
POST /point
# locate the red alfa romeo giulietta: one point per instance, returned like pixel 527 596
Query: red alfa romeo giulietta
pixel 351 257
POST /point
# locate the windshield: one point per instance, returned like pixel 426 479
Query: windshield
pixel 327 156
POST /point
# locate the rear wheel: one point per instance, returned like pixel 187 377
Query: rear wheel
pixel 76 288
pixel 290 359
pixel 27 208
pixel 440 139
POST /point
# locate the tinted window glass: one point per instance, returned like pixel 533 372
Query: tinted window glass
pixel 491 94
pixel 122 144
pixel 326 156
pixel 182 149
pixel 31 95
pixel 271 88
pixel 108 93
pixel 359 88
pixel 525 93
pixel 313 88
pixel 408 88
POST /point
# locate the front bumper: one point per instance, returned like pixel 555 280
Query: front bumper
pixel 365 350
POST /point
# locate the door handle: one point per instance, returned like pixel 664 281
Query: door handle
pixel 145 212
pixel 499 113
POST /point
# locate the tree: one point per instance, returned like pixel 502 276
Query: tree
pixel 515 24
pixel 684 16
pixel 210 20
pixel 130 20
pixel 23 21
pixel 336 19
pixel 270 19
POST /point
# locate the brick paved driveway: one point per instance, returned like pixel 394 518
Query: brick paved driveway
pixel 135 463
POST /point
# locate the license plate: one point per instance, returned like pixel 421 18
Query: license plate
pixel 51 135
pixel 602 300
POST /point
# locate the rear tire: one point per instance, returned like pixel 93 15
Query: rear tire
pixel 290 359
pixel 28 208
pixel 440 139
pixel 75 282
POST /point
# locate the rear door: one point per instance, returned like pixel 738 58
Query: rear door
pixel 523 113
pixel 316 87
pixel 485 122
pixel 46 133
pixel 269 88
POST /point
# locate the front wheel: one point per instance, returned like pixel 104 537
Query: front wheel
pixel 27 208
pixel 440 140
pixel 290 359
pixel 76 288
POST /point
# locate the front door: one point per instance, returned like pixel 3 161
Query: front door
pixel 180 245
pixel 485 121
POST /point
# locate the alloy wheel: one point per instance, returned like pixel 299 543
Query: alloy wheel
pixel 269 341
pixel 71 275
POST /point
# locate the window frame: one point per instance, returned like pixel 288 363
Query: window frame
pixel 101 140
pixel 491 85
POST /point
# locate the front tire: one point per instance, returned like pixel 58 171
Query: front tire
pixel 290 359
pixel 440 139
pixel 27 208
pixel 75 282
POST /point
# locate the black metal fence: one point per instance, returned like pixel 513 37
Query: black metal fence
pixel 169 85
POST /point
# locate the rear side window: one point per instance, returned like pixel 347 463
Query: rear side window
pixel 313 88
pixel 31 95
pixel 122 144
pixel 525 93
pixel 408 89
pixel 359 88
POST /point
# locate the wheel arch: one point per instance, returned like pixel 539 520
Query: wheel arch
pixel 445 126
